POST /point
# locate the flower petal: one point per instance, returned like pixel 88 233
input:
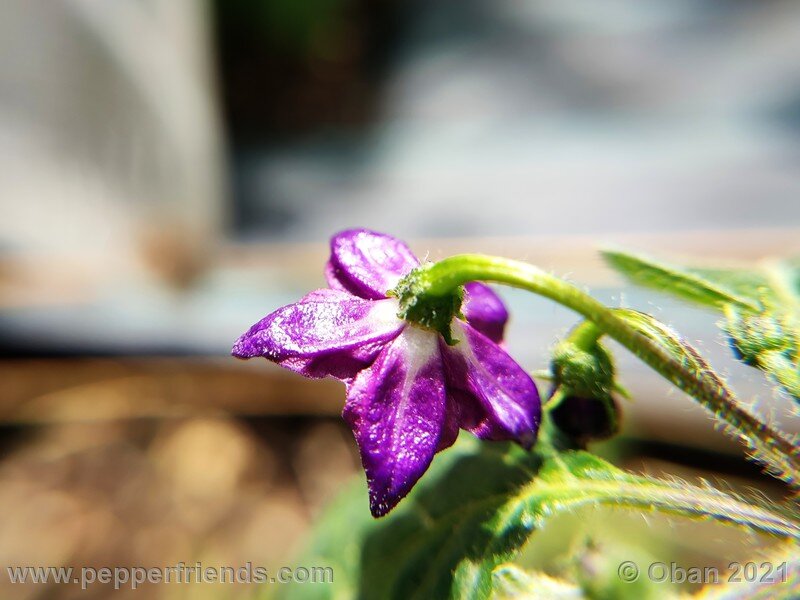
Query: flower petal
pixel 367 263
pixel 497 399
pixel 484 310
pixel 397 410
pixel 332 277
pixel 328 332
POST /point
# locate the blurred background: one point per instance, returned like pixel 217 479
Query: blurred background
pixel 170 172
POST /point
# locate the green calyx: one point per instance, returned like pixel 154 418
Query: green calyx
pixel 424 309
pixel 587 372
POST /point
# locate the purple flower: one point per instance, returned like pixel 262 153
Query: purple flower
pixel 408 391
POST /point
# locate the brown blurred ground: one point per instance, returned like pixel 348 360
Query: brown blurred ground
pixel 159 473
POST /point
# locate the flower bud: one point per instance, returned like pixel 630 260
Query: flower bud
pixel 586 373
pixel 586 419
pixel 584 380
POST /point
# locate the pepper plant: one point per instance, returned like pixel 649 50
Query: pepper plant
pixel 419 347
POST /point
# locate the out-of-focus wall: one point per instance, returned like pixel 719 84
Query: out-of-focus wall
pixel 500 117
pixel 109 139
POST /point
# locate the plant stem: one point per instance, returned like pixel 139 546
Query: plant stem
pixel 768 445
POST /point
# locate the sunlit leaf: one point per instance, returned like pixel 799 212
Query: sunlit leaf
pixel 477 506
pixel 765 298
pixel 674 343
pixel 761 447
pixel 681 282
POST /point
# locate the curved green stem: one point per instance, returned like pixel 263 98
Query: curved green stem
pixel 771 447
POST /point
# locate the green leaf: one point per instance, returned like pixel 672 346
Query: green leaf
pixel 774 283
pixel 477 506
pixel 761 448
pixel 771 286
pixel 745 283
pixel 765 298
pixel 676 345
pixel 706 288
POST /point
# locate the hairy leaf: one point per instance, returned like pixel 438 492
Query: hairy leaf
pixel 448 537
pixel 761 307
pixel 692 286
pixel 674 343
pixel 762 448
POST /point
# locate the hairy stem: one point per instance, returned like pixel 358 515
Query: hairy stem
pixel 766 444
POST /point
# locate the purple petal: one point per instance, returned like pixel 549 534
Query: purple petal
pixel 497 399
pixel 484 310
pixel 328 332
pixel 397 410
pixel 368 264
pixel 332 277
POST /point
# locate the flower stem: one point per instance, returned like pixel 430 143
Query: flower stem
pixel 585 335
pixel 768 445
